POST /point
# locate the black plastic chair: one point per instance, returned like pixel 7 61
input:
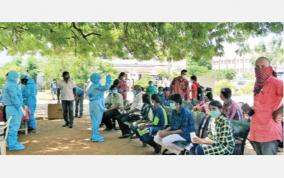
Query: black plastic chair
pixel 240 132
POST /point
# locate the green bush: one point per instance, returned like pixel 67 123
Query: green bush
pixel 222 84
pixel 246 89
pixel 227 74
pixel 143 82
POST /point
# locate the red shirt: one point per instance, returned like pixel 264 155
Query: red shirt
pixel 181 86
pixel 263 128
pixel 194 90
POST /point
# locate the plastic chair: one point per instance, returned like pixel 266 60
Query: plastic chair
pixel 240 132
pixel 3 141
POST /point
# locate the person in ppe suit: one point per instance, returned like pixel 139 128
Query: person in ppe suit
pixel 29 92
pixel 97 103
pixel 13 100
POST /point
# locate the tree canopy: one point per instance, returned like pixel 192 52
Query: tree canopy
pixel 164 41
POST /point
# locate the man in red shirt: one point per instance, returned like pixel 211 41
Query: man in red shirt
pixel 194 88
pixel 266 129
pixel 180 85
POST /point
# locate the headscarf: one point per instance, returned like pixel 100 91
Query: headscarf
pixel 261 74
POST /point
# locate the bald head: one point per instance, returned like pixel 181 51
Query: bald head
pixel 262 62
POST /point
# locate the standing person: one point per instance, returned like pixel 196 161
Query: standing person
pixel 97 103
pixel 231 109
pixel 13 101
pixel 122 85
pixel 66 88
pixel 151 89
pixel 265 129
pixel 79 101
pixel 220 140
pixel 182 124
pixel 180 85
pixel 29 92
pixel 194 88
pixel 53 88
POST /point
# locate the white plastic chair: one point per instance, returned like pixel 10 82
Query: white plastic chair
pixel 3 140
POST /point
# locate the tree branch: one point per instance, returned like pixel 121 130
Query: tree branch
pixel 82 33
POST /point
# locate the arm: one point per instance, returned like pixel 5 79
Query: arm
pixel 107 84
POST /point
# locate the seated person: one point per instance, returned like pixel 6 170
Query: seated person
pixel 231 109
pixel 133 114
pixel 147 131
pixel 161 93
pixel 146 114
pixel 182 124
pixel 165 100
pixel 203 106
pixel 220 140
pixel 114 105
pixel 151 89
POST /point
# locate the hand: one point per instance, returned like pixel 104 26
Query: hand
pixel 197 140
pixel 142 126
pixel 278 115
pixel 163 133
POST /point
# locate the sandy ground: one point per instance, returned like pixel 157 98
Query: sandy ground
pixel 53 139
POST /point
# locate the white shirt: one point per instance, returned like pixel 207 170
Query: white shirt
pixel 66 90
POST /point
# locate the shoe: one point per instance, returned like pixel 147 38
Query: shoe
pixel 158 149
pixel 124 136
pixel 70 126
pixel 80 117
pixel 65 125
pixel 33 131
pixel 76 116
pixel 16 147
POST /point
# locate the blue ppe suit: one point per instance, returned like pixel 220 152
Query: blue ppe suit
pixel 29 92
pixel 97 104
pixel 13 100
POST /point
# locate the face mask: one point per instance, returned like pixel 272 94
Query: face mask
pixel 66 77
pixel 215 113
pixel 114 91
pixel 173 106
pixel 161 93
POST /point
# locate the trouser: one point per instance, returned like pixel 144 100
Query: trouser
pixel 168 142
pixel 148 139
pixel 15 123
pixel 96 114
pixel 265 148
pixel 53 93
pixel 109 118
pixel 68 114
pixel 79 106
pixel 126 118
pixel 32 119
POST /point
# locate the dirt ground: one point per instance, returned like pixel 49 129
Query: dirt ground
pixel 53 139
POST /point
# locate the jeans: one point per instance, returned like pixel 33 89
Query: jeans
pixel 265 148
pixel 68 112
pixel 109 118
pixel 79 106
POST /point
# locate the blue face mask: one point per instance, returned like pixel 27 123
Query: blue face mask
pixel 173 106
pixel 161 93
pixel 215 113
